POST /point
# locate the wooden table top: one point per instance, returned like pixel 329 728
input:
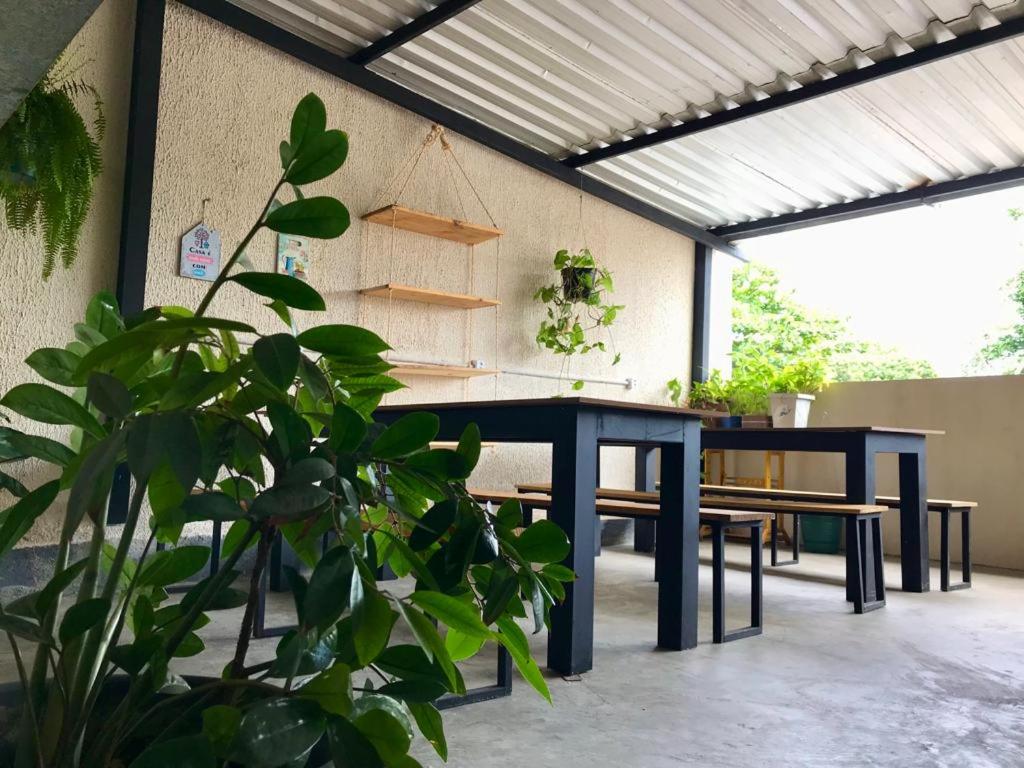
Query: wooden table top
pixel 879 429
pixel 552 402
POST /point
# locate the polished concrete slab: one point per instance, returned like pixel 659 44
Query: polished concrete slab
pixel 933 679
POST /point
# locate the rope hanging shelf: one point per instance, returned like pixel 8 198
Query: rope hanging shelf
pixel 458 230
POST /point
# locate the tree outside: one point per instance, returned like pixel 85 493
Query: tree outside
pixel 1005 353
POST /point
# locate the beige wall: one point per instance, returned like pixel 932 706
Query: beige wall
pixel 222 115
pixel 978 459
pixel 36 313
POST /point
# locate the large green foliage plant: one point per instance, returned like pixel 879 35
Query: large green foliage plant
pixel 274 439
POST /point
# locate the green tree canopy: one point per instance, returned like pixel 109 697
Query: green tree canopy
pixel 1008 348
pixel 771 330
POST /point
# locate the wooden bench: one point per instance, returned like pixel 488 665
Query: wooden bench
pixel 944 507
pixel 720 520
pixel 865 586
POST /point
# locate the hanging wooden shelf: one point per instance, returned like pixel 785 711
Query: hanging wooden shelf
pixel 429 296
pixel 435 226
pixel 442 371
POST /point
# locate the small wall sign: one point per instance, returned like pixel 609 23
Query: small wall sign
pixel 293 256
pixel 200 253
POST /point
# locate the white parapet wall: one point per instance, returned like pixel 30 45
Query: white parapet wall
pixel 978 459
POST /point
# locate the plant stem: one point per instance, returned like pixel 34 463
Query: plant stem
pixel 249 618
pixel 30 708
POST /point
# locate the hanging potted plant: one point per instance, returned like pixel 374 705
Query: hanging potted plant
pixel 49 161
pixel 791 392
pixel 577 306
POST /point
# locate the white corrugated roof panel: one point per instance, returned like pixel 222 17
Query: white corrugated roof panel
pixel 565 76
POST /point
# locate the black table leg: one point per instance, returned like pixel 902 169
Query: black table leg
pixel 860 489
pixel 573 491
pixel 643 480
pixel 676 556
pixel 914 522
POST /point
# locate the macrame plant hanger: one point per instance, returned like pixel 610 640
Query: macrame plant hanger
pixel 388 213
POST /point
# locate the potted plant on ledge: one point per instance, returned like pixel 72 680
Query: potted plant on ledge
pixel 576 307
pixel 791 396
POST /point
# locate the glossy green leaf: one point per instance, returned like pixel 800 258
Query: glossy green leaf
pixel 409 434
pixel 430 642
pixel 236 535
pixel 428 720
pixel 320 217
pixel 349 747
pixel 12 485
pixel 18 519
pixel 92 483
pixel 331 689
pixel 319 157
pixel 220 726
pixel 173 565
pixel 502 588
pixel 39 447
pixel 329 588
pixel 434 524
pixel 311 470
pixel 211 506
pixel 440 463
pixel 514 640
pixel 56 365
pixel 342 341
pixel 83 616
pixel 25 629
pixel 383 721
pixel 289 502
pixel 43 403
pixel 371 626
pixel 469 447
pixel 543 542
pixel 109 395
pixel 104 314
pixel 284 288
pixel 348 429
pixel 461 646
pixel 276 731
pixel 309 120
pixel 452 612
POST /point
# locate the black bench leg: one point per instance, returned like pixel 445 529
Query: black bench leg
pixel 527 516
pixel 775 542
pixel 718 632
pixel 643 535
pixel 965 546
pixel 864 558
pixel 717 584
pixel 502 687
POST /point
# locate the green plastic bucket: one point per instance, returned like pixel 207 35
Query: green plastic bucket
pixel 821 534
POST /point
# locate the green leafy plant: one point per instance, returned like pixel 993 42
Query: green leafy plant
pixel 710 395
pixel 275 439
pixel 49 161
pixel 576 308
pixel 802 377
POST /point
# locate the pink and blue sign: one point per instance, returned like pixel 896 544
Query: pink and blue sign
pixel 200 253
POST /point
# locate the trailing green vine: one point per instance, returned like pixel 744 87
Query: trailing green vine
pixel 49 161
pixel 576 307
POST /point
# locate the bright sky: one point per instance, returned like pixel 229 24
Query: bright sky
pixel 928 280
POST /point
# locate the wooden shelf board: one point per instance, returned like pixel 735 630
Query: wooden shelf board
pixel 452 445
pixel 430 224
pixel 443 371
pixel 429 296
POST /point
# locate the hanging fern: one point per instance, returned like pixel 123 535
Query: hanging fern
pixel 49 162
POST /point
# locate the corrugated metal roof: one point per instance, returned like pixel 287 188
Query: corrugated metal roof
pixel 566 75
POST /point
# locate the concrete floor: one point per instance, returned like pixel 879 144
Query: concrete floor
pixel 931 680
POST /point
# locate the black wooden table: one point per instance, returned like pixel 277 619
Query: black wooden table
pixel 860 446
pixel 574 426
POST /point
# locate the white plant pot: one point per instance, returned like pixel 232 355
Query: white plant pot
pixel 790 410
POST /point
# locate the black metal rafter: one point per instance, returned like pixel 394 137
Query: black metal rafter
pixel 432 18
pixel 334 64
pixel 932 53
pixel 893 201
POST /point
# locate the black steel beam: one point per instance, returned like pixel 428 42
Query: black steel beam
pixel 894 201
pixel 701 335
pixel 334 64
pixel 424 23
pixel 922 56
pixel 139 156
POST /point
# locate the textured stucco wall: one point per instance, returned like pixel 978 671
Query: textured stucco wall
pixel 225 104
pixel 36 313
pixel 978 459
